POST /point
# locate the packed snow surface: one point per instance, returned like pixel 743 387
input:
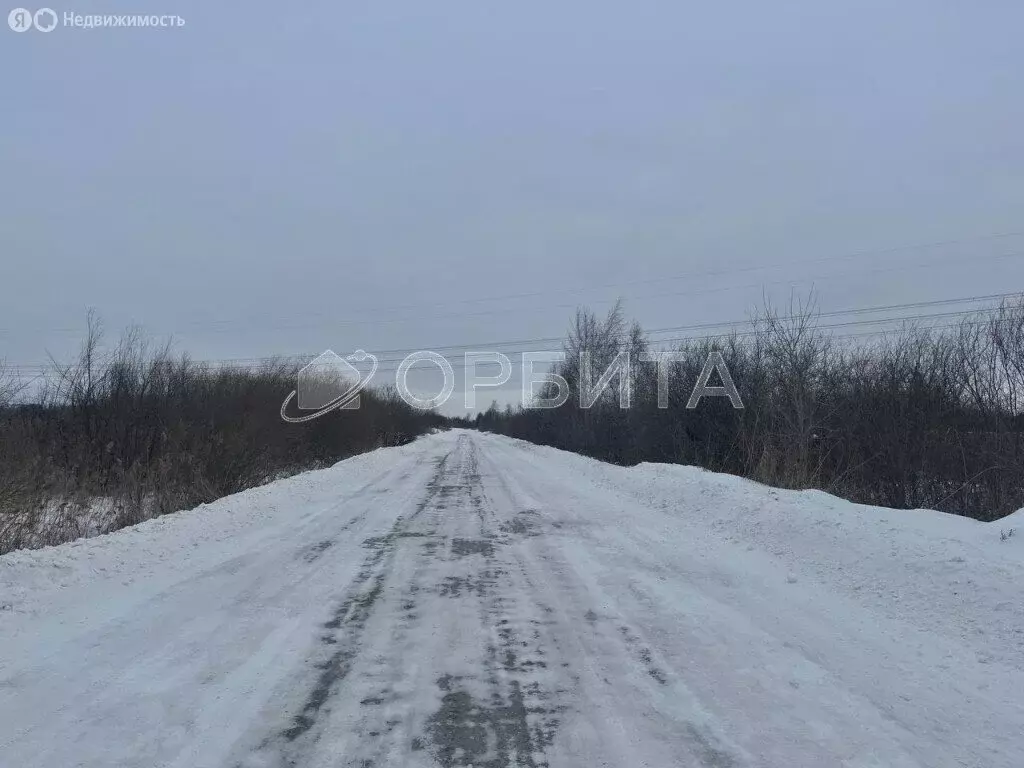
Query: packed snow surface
pixel 470 600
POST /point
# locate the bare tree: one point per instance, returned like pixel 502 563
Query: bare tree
pixel 917 417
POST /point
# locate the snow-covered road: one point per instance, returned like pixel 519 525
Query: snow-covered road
pixel 470 600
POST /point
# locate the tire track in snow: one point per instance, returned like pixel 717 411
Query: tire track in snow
pixel 515 721
pixel 438 654
pixel 343 635
pixel 620 664
pixel 491 713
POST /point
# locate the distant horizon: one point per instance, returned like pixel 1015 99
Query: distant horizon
pixel 401 176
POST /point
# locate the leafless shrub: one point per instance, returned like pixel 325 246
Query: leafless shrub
pixel 130 432
pixel 916 418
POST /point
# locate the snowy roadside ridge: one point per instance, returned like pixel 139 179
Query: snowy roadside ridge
pixel 165 544
pixel 942 573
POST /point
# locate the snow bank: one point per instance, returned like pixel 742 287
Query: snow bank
pixel 942 573
pixel 155 552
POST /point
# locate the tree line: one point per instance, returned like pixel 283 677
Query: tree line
pixel 141 432
pixel 918 418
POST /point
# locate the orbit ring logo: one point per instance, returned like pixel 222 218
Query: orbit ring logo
pixel 328 383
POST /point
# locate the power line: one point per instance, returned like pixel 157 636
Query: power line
pixel 218 326
pixel 385 367
pixel 356 322
pixel 383 355
pixel 709 273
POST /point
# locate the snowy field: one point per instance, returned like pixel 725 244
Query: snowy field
pixel 470 600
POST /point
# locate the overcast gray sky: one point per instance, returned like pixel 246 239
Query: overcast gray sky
pixel 280 179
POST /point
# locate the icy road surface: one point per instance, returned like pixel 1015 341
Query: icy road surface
pixel 470 600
